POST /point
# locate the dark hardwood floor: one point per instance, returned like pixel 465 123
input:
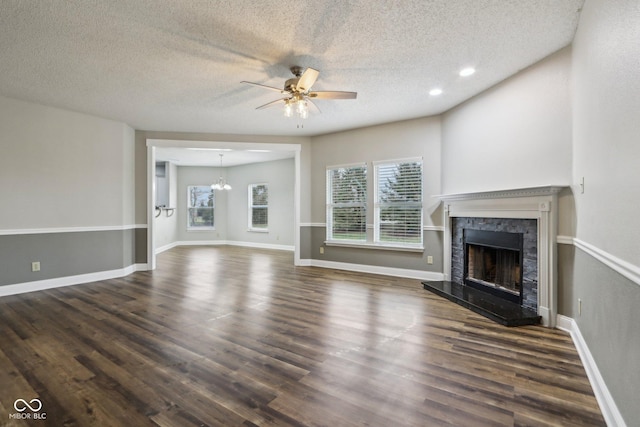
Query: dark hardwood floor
pixel 225 336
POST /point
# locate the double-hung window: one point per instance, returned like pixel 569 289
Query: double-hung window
pixel 347 203
pixel 200 207
pixel 398 203
pixel 258 207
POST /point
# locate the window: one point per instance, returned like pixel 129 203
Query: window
pixel 200 206
pixel 258 207
pixel 398 203
pixel 346 203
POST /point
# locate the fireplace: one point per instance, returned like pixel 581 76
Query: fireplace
pixel 533 212
pixel 497 255
pixel 493 262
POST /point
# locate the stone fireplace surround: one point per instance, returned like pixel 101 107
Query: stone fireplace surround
pixel 527 227
pixel 536 203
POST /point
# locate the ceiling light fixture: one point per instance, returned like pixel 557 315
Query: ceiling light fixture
pixel 221 184
pixel 466 72
pixel 435 92
pixel 296 104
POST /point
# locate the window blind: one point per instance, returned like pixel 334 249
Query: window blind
pixel 398 203
pixel 346 203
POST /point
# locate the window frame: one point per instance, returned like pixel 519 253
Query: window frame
pixel 189 208
pixel 331 205
pixel 252 206
pixel 378 205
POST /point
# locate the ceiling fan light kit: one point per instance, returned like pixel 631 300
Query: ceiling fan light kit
pixel 297 91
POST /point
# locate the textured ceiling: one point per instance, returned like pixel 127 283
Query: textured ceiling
pixel 177 65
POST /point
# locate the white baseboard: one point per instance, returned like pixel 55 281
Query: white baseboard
pixel 161 249
pixel 608 406
pixel 546 316
pixel 374 269
pixel 58 282
pixel 289 248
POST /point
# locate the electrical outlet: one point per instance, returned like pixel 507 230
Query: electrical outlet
pixel 429 259
pixel 321 250
pixel 35 266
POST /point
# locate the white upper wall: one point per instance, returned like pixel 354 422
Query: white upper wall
pixel 606 126
pixel 205 176
pixel 280 177
pixel 515 135
pixel 410 138
pixel 62 169
pixel 231 207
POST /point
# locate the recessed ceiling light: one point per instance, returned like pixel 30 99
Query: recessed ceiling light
pixel 467 71
pixel 435 92
pixel 259 151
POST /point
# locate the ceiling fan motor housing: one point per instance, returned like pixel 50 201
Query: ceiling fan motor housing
pixel 291 84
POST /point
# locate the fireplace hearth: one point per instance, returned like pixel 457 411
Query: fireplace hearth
pixel 494 269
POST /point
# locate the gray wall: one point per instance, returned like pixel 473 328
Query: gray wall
pixel 192 175
pixel 231 207
pixel 411 138
pixel 62 169
pixel 573 115
pixel 280 176
pixel 66 193
pixel 141 137
pixel 606 152
pixel 433 246
pixel 514 135
pixel 64 254
pixel 166 224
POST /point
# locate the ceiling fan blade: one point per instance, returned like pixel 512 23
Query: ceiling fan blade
pixel 269 104
pixel 333 95
pixel 264 86
pixel 314 107
pixel 307 80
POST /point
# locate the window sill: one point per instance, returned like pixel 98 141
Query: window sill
pixel 379 246
pixel 258 230
pixel 196 229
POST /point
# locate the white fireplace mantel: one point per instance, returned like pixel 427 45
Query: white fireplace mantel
pixel 540 203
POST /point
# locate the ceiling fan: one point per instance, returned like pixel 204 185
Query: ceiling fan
pixel 298 93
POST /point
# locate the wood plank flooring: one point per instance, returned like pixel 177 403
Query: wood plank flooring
pixel 225 336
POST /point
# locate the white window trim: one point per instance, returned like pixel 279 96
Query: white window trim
pixel 370 245
pixel 400 160
pixel 196 229
pixel 250 205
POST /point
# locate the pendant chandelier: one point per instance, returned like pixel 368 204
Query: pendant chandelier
pixel 221 184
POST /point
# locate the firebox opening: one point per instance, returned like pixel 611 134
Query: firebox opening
pixel 499 268
pixel 493 262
